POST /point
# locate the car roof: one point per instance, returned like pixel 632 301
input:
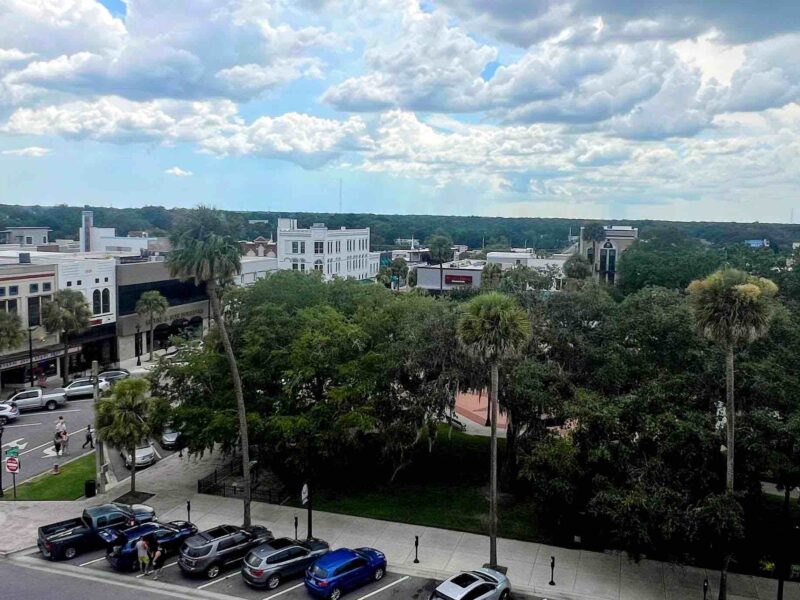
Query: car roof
pixel 274 545
pixel 140 530
pixel 461 584
pixel 336 558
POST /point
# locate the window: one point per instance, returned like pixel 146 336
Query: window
pixel 318 265
pixel 28 240
pixel 319 247
pixel 33 288
pixel 69 284
pixel 79 282
pixel 338 245
pixel 97 280
pixel 2 292
pixel 106 301
pixel 13 290
pixel 478 591
pixel 11 306
pixel 295 265
pixel 296 552
pixel 44 239
pixel 278 558
pixel 226 544
pixel 46 287
pixel 97 307
pixel 34 311
pixel 330 247
pixel 105 279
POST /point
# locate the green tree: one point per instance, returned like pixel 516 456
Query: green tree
pixel 441 249
pixel 207 257
pixel 151 305
pixel 123 420
pixel 67 313
pixel 11 333
pixel 720 521
pixel 491 276
pixel 577 267
pixel 493 327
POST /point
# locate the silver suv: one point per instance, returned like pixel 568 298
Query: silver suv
pixel 275 561
pixel 480 584
pixel 209 552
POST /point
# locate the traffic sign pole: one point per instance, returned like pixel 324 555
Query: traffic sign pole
pixel 14 481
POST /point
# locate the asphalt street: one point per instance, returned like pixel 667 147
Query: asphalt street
pixel 394 586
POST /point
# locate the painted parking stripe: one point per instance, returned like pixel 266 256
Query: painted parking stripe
pixel 91 562
pixel 294 587
pixel 384 588
pixel 213 581
pixel 164 567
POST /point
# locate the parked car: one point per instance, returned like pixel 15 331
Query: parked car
pixel 36 398
pixel 114 375
pixel 65 539
pixel 344 569
pixel 481 584
pixel 169 438
pixel 284 558
pixel 145 456
pixel 8 413
pixel 85 387
pixel 207 553
pixel 121 544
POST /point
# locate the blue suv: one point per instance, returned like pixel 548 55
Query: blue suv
pixel 121 545
pixel 343 570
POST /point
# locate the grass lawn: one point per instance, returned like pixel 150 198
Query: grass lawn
pixel 446 488
pixel 66 486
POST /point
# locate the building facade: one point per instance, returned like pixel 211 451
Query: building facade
pixel 25 236
pixel 604 255
pixel 105 239
pixel 453 275
pixel 331 252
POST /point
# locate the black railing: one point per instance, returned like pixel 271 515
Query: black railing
pixel 218 484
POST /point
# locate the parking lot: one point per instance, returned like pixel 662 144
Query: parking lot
pixel 393 586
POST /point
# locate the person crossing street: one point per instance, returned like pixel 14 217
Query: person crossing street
pixel 89 437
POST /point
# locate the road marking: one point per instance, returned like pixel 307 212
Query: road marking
pixel 154 450
pixel 164 567
pixel 213 581
pixel 384 588
pixel 50 443
pixel 15 442
pixel 25 425
pixel 294 587
pixel 58 412
pixel 91 562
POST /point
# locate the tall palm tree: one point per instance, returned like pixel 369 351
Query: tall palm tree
pixel 493 327
pixel 594 232
pixel 123 420
pixel 441 249
pixel 151 305
pixel 732 309
pixel 11 333
pixel 207 257
pixel 67 313
pixel 491 275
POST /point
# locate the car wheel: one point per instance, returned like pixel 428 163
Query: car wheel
pixel 336 593
pixel 274 581
pixel 51 405
pixel 378 574
pixel 506 595
pixel 70 552
pixel 212 572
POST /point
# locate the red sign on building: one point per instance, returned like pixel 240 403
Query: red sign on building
pixel 458 279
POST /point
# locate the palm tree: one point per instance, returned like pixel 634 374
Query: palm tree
pixel 123 420
pixel 441 249
pixel 207 257
pixel 594 232
pixel 11 334
pixel 66 314
pixel 731 308
pixel 493 327
pixel 151 305
pixel 491 275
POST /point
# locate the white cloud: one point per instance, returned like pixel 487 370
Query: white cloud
pixel 178 172
pixel 31 151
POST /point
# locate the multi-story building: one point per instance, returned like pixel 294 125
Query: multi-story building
pixel 454 275
pixel 604 255
pixel 332 252
pixel 105 239
pixel 24 236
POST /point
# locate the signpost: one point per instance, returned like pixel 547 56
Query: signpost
pixel 12 466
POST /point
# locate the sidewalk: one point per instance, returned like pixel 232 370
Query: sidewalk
pixel 579 575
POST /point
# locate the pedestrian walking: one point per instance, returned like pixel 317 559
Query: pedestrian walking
pixel 142 551
pixel 61 425
pixel 158 561
pixel 89 437
pixel 57 443
pixel 65 443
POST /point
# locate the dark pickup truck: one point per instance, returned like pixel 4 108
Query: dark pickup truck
pixel 66 539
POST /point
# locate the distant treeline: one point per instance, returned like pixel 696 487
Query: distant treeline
pixel 549 234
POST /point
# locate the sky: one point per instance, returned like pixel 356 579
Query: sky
pixel 634 109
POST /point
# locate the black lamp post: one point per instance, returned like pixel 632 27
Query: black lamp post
pixel 30 350
pixel 1 461
pixel 138 347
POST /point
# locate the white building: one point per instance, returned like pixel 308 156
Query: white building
pixel 25 236
pixel 333 252
pixel 454 275
pixel 105 239
pixel 255 268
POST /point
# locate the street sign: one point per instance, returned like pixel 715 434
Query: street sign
pixel 13 452
pixel 304 494
pixel 12 464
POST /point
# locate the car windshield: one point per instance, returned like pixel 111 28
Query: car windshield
pixel 194 552
pixel 143 447
pixel 319 572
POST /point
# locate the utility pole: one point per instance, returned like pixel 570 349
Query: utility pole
pixel 99 459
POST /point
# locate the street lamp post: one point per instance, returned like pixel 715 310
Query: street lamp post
pixel 138 346
pixel 30 351
pixel 1 461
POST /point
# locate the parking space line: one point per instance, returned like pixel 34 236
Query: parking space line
pixel 164 567
pixel 384 588
pixel 58 412
pixel 213 581
pixel 92 561
pixel 294 587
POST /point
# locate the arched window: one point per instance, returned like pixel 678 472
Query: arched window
pixel 318 265
pixel 608 259
pixel 96 308
pixel 106 301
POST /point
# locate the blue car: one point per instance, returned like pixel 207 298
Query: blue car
pixel 344 569
pixel 121 544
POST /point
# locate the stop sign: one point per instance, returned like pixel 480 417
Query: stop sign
pixel 12 464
